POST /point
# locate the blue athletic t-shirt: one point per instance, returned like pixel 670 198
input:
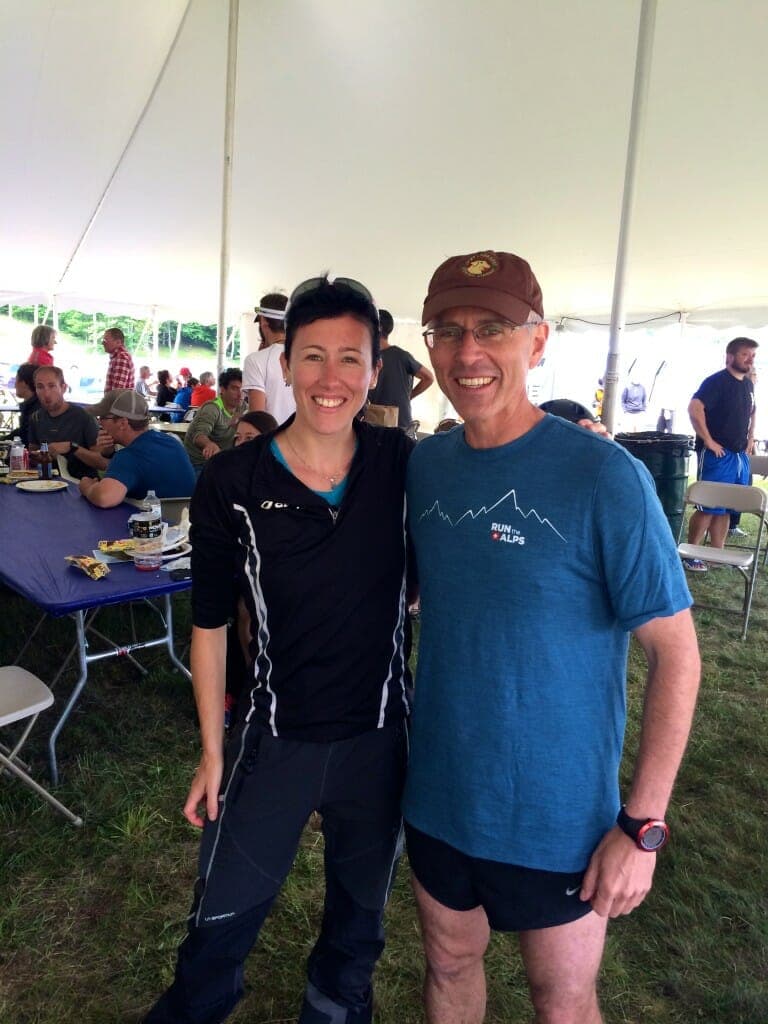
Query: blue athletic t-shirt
pixel 153 462
pixel 536 559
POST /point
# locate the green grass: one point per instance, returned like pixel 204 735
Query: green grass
pixel 90 918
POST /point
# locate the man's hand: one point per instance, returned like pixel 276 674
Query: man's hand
pixel 205 790
pixel 595 426
pixel 209 449
pixel 104 441
pixel 717 449
pixel 619 875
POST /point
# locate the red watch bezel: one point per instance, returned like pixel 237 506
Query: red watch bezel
pixel 646 827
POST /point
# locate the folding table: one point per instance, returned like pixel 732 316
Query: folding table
pixel 37 530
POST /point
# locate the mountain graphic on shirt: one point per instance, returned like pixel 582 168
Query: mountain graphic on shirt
pixel 507 503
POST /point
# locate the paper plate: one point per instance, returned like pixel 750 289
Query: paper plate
pixel 42 485
pixel 177 552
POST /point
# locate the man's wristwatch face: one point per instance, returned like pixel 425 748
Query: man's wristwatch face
pixel 653 835
pixel 648 834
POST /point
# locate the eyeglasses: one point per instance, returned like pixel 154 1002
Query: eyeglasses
pixel 486 335
pixel 313 283
pixel 103 419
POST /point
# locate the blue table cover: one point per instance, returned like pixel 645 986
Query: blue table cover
pixel 37 531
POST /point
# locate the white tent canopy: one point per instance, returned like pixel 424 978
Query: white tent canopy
pixel 374 138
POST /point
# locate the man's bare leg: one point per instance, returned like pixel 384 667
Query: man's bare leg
pixel 698 526
pixel 718 530
pixel 562 964
pixel 454 943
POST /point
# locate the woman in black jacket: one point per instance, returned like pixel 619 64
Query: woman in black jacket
pixel 306 525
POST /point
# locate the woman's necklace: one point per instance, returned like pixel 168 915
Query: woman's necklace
pixel 334 478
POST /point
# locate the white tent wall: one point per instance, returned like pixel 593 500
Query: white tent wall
pixel 669 358
pixel 375 138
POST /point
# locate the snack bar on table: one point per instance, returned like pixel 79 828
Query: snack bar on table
pixel 91 566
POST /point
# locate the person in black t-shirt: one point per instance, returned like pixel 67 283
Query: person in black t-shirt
pixel 395 385
pixel 67 429
pixel 165 393
pixel 722 412
pixel 30 403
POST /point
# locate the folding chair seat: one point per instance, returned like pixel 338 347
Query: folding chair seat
pixel 746 557
pixel 23 696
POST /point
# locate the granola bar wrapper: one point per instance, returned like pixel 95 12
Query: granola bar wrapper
pixel 117 547
pixel 92 567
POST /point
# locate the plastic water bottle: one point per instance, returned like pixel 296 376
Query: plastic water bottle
pixel 152 504
pixel 17 455
pixel 147 529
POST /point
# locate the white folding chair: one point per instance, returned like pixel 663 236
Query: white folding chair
pixel 758 466
pixel 745 558
pixel 173 509
pixel 24 696
pixel 64 470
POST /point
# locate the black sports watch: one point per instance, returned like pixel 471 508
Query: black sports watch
pixel 648 834
pixel 73 446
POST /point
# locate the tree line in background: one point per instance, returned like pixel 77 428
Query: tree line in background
pixel 89 327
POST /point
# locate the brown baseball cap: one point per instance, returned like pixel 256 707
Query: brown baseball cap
pixel 498 281
pixel 121 402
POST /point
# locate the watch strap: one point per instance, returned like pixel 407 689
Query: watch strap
pixel 648 834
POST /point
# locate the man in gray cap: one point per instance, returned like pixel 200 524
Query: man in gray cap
pixel 513 813
pixel 148 460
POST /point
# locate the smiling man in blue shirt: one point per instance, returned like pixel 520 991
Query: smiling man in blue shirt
pixel 512 806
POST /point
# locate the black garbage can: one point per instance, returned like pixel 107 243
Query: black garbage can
pixel 666 456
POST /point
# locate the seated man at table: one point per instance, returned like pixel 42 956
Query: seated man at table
pixel 213 427
pixel 148 461
pixel 67 429
pixel 29 403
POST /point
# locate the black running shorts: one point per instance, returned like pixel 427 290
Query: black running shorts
pixel 515 899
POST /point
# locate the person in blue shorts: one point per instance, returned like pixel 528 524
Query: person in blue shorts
pixel 723 415
pixel 514 820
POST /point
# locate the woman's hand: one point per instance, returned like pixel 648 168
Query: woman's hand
pixel 205 790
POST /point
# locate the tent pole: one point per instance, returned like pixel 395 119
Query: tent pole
pixel 226 189
pixel 155 336
pixel 618 313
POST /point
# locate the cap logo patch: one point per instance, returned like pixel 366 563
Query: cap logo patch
pixel 481 264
